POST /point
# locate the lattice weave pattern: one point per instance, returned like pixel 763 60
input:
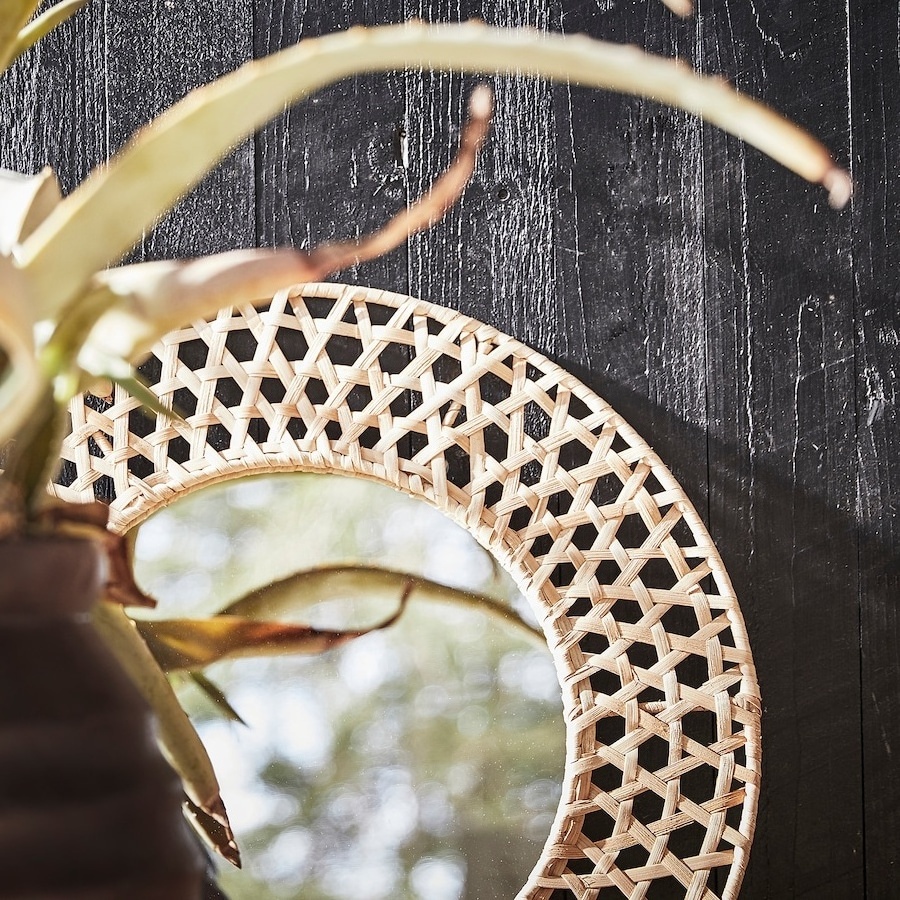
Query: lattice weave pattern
pixel 660 694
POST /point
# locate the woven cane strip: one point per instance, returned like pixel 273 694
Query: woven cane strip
pixel 660 695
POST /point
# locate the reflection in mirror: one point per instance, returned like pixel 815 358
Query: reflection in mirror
pixel 422 762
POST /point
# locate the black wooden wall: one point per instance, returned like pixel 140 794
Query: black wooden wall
pixel 749 332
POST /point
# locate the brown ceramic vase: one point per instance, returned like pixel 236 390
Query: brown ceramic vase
pixel 88 806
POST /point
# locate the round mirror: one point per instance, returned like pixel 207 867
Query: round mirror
pixel 420 762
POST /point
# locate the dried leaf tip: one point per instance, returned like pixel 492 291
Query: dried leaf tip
pixel 839 186
pixel 683 8
pixel 481 102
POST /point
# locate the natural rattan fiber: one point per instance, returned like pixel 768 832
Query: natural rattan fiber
pixel 660 694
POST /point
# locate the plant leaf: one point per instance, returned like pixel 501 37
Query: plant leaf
pixel 44 24
pixel 14 16
pixel 25 201
pixel 178 738
pixel 194 643
pixel 154 298
pixel 108 213
pixel 305 589
pixel 217 696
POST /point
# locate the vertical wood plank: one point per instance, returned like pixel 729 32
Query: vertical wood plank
pixel 52 102
pixel 329 169
pixel 154 54
pixel 781 381
pixel 875 74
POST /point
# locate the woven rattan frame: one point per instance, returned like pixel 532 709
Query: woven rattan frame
pixel 659 689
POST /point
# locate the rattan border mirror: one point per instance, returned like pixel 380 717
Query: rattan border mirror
pixel 660 696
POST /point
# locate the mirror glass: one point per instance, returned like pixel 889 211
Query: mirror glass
pixel 419 762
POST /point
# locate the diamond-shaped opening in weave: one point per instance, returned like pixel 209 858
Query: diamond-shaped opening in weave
pixel 315 391
pixel 699 725
pixel 574 454
pixel 520 518
pixel 496 442
pixel 658 573
pixel 292 343
pixel 458 464
pixel 632 532
pixel 178 450
pixel 653 752
pixel 273 389
pixel 699 783
pixel 151 370
pixel 241 343
pixel 643 655
pixel 228 392
pixel 404 403
pixel 141 422
pixel 218 437
pixel 446 369
pixel 632 857
pixel 537 421
pixel 693 671
pixel 608 730
pixel 584 536
pixel 184 401
pixel 493 388
pixel 194 352
pixel 344 350
pixel 563 574
pixel 647 807
pixel 681 619
pixel 492 494
pixel 688 840
pixel 627 611
pixel 578 606
pixel 359 398
pixel 598 826
pixel 104 489
pixel 369 438
pixel 333 430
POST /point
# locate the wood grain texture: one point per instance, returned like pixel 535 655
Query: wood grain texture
pixel 781 377
pixel 875 75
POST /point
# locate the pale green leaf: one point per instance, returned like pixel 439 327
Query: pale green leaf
pixel 373 584
pixel 44 24
pixel 216 696
pixel 14 14
pixel 25 201
pixel 178 737
pixel 106 215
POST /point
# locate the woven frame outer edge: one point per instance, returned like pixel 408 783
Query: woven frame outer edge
pixel 103 444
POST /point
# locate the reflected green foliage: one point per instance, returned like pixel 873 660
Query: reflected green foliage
pixel 424 761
